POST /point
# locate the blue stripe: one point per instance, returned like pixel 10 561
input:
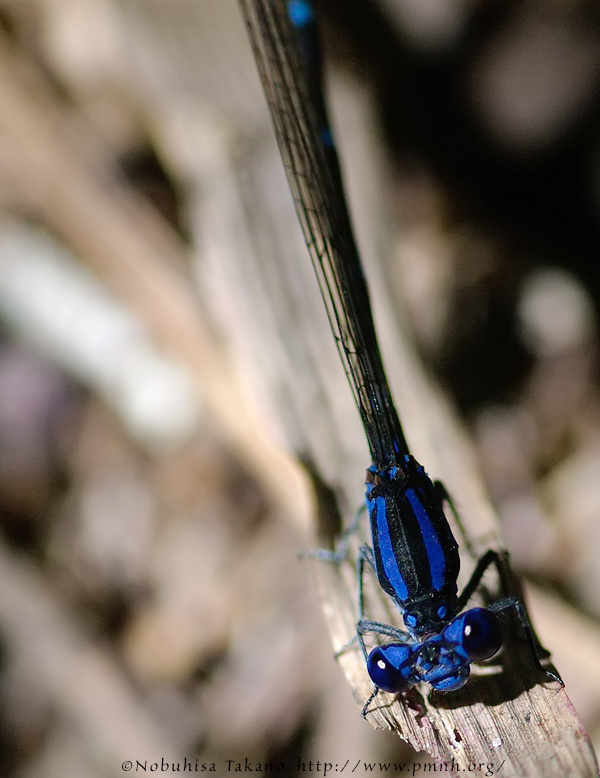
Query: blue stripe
pixel 435 552
pixel 300 13
pixel 386 549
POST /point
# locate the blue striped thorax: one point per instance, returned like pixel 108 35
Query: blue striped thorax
pixel 416 555
pixel 417 563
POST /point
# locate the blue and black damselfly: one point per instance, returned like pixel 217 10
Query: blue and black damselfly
pixel 414 553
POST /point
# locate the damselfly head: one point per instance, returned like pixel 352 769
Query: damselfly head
pixel 443 660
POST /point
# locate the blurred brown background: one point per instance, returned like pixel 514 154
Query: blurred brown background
pixel 159 350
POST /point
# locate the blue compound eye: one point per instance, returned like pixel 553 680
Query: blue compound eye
pixel 481 634
pixel 385 667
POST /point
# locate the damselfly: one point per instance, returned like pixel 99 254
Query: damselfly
pixel 414 554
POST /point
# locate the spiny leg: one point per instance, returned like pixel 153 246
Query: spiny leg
pixel 379 627
pixel 491 557
pixel 512 602
pixel 499 560
pixel 364 625
pixel 372 696
pixel 365 554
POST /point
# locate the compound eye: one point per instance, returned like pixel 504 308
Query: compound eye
pixel 481 637
pixel 385 664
